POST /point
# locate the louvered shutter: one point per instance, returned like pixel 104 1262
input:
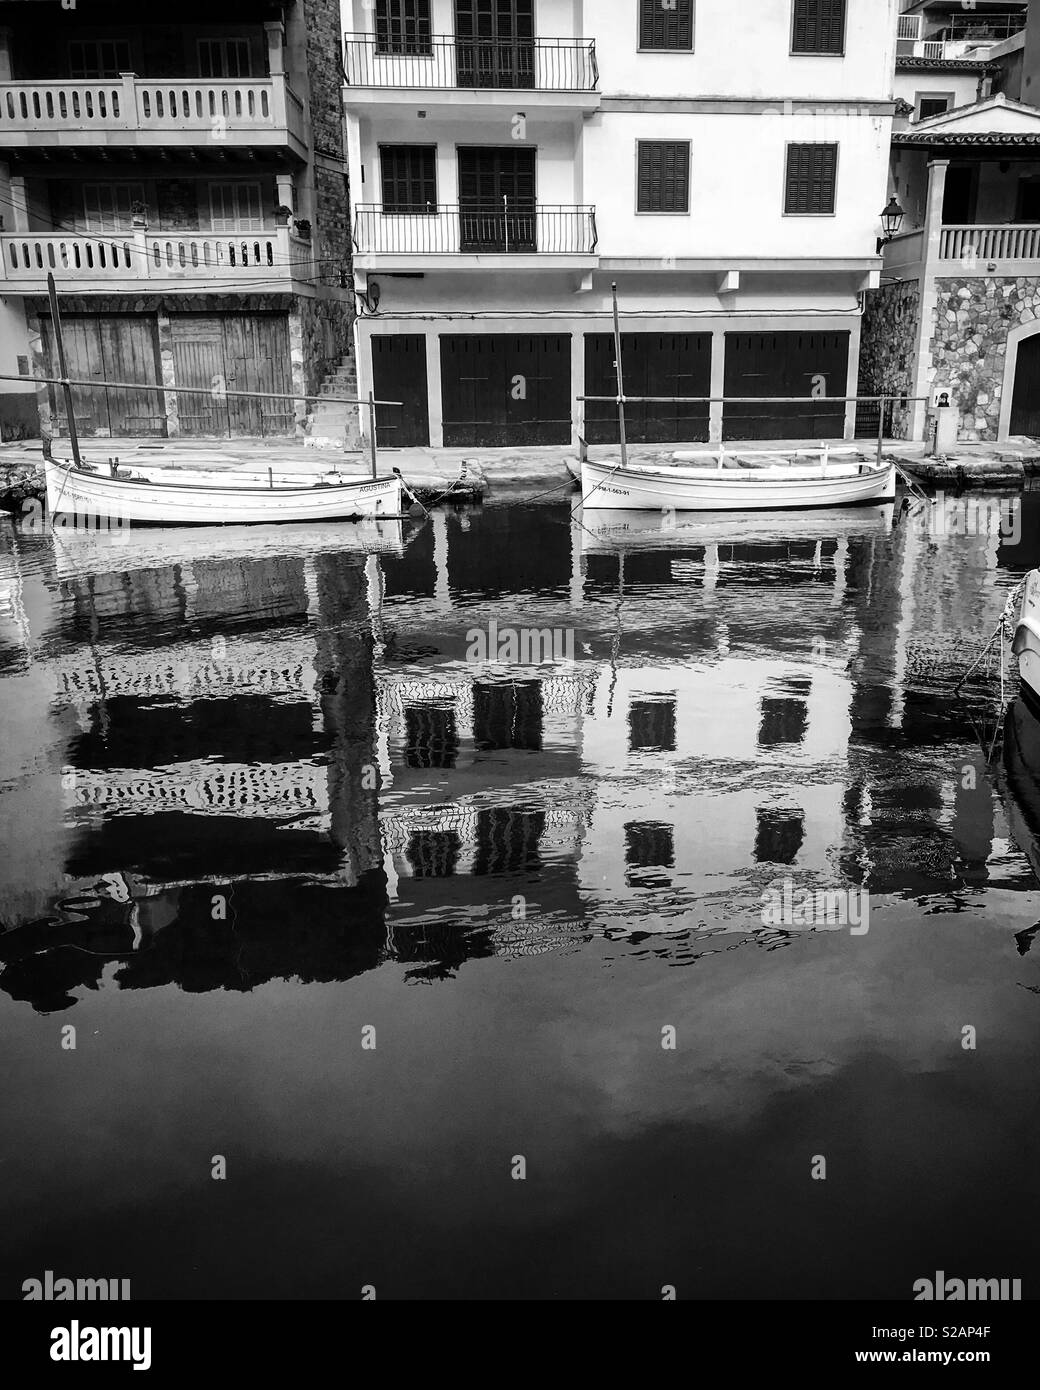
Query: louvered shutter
pixel 819 26
pixel 663 176
pixel 666 28
pixel 811 179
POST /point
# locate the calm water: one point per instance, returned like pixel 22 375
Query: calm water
pixel 258 793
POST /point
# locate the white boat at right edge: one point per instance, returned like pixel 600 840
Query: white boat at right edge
pixel 733 484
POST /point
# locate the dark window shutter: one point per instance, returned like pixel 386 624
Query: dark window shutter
pixel 812 172
pixel 818 27
pixel 409 178
pixel 663 176
pixel 669 29
pixel 403 26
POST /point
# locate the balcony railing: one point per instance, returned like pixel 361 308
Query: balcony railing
pixel 137 104
pixel 470 229
pixel 202 257
pixel 444 62
pixel 1006 242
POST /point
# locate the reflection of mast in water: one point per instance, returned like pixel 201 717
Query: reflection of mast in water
pixel 343 660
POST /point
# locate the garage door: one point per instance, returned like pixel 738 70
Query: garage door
pixel 506 389
pixel 809 365
pixel 654 364
pixel 220 353
pixel 112 347
pixel 399 374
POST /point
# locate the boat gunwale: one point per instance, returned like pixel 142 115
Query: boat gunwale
pixel 323 489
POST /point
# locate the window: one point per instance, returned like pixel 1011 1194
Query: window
pixel 932 104
pixel 224 58
pixel 811 180
pixel 663 176
pixel 403 26
pixel 409 175
pixel 92 59
pixel 106 206
pixel 235 207
pixel 818 26
pixel 664 26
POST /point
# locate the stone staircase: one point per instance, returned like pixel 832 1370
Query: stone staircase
pixel 332 425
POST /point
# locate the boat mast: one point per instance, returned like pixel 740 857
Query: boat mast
pixel 63 368
pixel 620 381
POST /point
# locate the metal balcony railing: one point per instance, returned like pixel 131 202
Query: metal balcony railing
pixel 442 61
pixel 473 229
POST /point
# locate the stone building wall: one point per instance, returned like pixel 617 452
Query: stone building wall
pixel 887 347
pixel 968 345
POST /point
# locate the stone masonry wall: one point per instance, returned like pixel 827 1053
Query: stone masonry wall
pixel 969 343
pixel 889 336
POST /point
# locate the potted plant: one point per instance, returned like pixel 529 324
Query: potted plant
pixel 283 214
pixel 139 215
pixel 303 228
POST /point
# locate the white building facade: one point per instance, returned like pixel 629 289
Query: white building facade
pixel 509 162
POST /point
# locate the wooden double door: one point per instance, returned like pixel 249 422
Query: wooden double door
pixel 653 364
pixel 494 43
pixel 100 348
pixel 497 200
pixel 221 353
pixel 506 389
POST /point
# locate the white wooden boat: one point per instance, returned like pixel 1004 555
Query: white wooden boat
pixel 183 498
pixel 739 482
pixel 1026 645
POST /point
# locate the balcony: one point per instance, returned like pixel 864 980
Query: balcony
pixel 130 110
pixel 196 262
pixel 551 72
pixel 971 37
pixel 472 237
pixel 1009 248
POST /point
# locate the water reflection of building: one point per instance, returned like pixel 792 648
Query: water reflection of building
pixel 302 735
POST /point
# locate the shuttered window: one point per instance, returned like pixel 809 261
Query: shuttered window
pixel 107 207
pixel 403 26
pixel 812 175
pixel 667 26
pixel 224 58
pixel 409 175
pixel 98 58
pixel 663 176
pixel 818 26
pixel 235 207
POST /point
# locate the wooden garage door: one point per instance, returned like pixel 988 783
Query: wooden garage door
pixel 220 353
pixel 786 364
pixel 1025 403
pixel 112 347
pixel 654 364
pixel 399 374
pixel 506 389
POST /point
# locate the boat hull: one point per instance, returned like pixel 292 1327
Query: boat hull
pixel 1026 645
pixel 100 499
pixel 604 486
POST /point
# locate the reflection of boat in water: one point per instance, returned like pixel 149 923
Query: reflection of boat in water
pixel 183 498
pixel 79 551
pixel 610 532
pixel 1020 785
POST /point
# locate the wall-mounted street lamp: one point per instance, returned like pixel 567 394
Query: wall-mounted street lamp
pixel 891 220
